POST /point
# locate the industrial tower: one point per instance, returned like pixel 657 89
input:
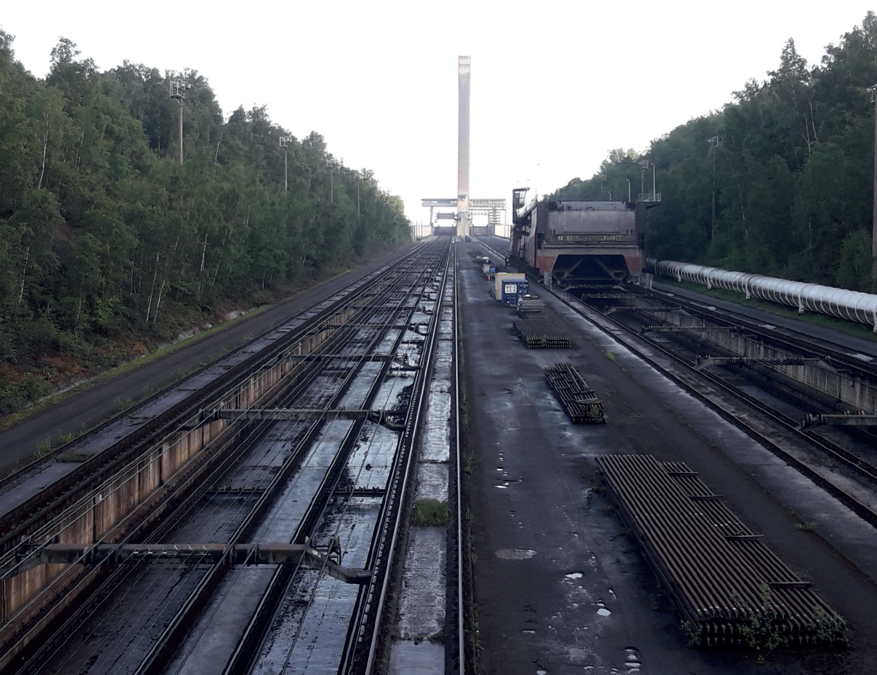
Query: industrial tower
pixel 494 209
pixel 463 218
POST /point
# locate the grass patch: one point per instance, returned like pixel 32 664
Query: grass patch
pixel 431 513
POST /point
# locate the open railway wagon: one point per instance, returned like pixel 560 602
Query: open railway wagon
pixel 729 588
pixel 579 243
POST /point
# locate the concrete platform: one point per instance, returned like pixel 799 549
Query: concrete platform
pixel 559 585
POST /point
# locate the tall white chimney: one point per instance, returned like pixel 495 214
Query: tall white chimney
pixel 463 221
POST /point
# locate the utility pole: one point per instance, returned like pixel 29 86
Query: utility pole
pixel 873 91
pixel 178 91
pixel 284 145
pixel 714 141
pixel 644 165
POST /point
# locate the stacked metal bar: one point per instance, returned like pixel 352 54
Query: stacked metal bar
pixel 579 400
pixel 530 307
pixel 728 586
pixel 541 334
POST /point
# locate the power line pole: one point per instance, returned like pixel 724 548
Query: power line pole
pixel 714 141
pixel 178 91
pixel 873 91
pixel 644 166
pixel 284 145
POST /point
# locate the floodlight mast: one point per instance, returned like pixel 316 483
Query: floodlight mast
pixel 178 92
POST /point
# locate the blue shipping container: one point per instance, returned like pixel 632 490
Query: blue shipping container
pixel 512 290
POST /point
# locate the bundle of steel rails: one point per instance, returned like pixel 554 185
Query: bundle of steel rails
pixel 531 307
pixel 577 398
pixel 729 588
pixel 541 334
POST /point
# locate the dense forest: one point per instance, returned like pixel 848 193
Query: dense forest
pixel 779 182
pixel 107 241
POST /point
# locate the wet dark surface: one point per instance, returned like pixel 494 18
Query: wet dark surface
pixel 558 583
pixel 426 579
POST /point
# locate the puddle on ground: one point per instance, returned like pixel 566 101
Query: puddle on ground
pixel 574 575
pixel 503 487
pixel 631 661
pixel 529 631
pixel 541 672
pixel 602 611
pixel 515 553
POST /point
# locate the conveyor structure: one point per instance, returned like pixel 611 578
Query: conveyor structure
pixel 805 297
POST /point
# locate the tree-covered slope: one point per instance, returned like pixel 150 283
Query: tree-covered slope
pixel 789 164
pixel 105 237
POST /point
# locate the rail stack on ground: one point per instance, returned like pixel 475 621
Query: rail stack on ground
pixel 729 588
pixel 541 334
pixel 579 400
pixel 531 307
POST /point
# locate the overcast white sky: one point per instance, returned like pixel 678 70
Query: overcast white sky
pixel 555 84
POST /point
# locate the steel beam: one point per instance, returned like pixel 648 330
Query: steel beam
pixel 843 420
pixel 704 361
pixel 385 418
pixel 240 554
pixel 688 329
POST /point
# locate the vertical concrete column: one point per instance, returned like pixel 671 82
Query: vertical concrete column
pixel 463 222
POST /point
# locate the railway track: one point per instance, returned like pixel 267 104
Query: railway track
pixel 705 318
pixel 643 324
pixel 832 452
pixel 285 511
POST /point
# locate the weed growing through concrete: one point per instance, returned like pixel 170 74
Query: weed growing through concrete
pixel 431 513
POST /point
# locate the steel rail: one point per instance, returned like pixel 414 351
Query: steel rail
pixel 372 602
pixel 855 462
pixel 861 509
pixel 714 567
pixel 786 338
pixel 17 522
pixel 166 645
pixel 247 649
pixel 860 465
pixel 462 659
pixel 352 433
pixel 224 456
